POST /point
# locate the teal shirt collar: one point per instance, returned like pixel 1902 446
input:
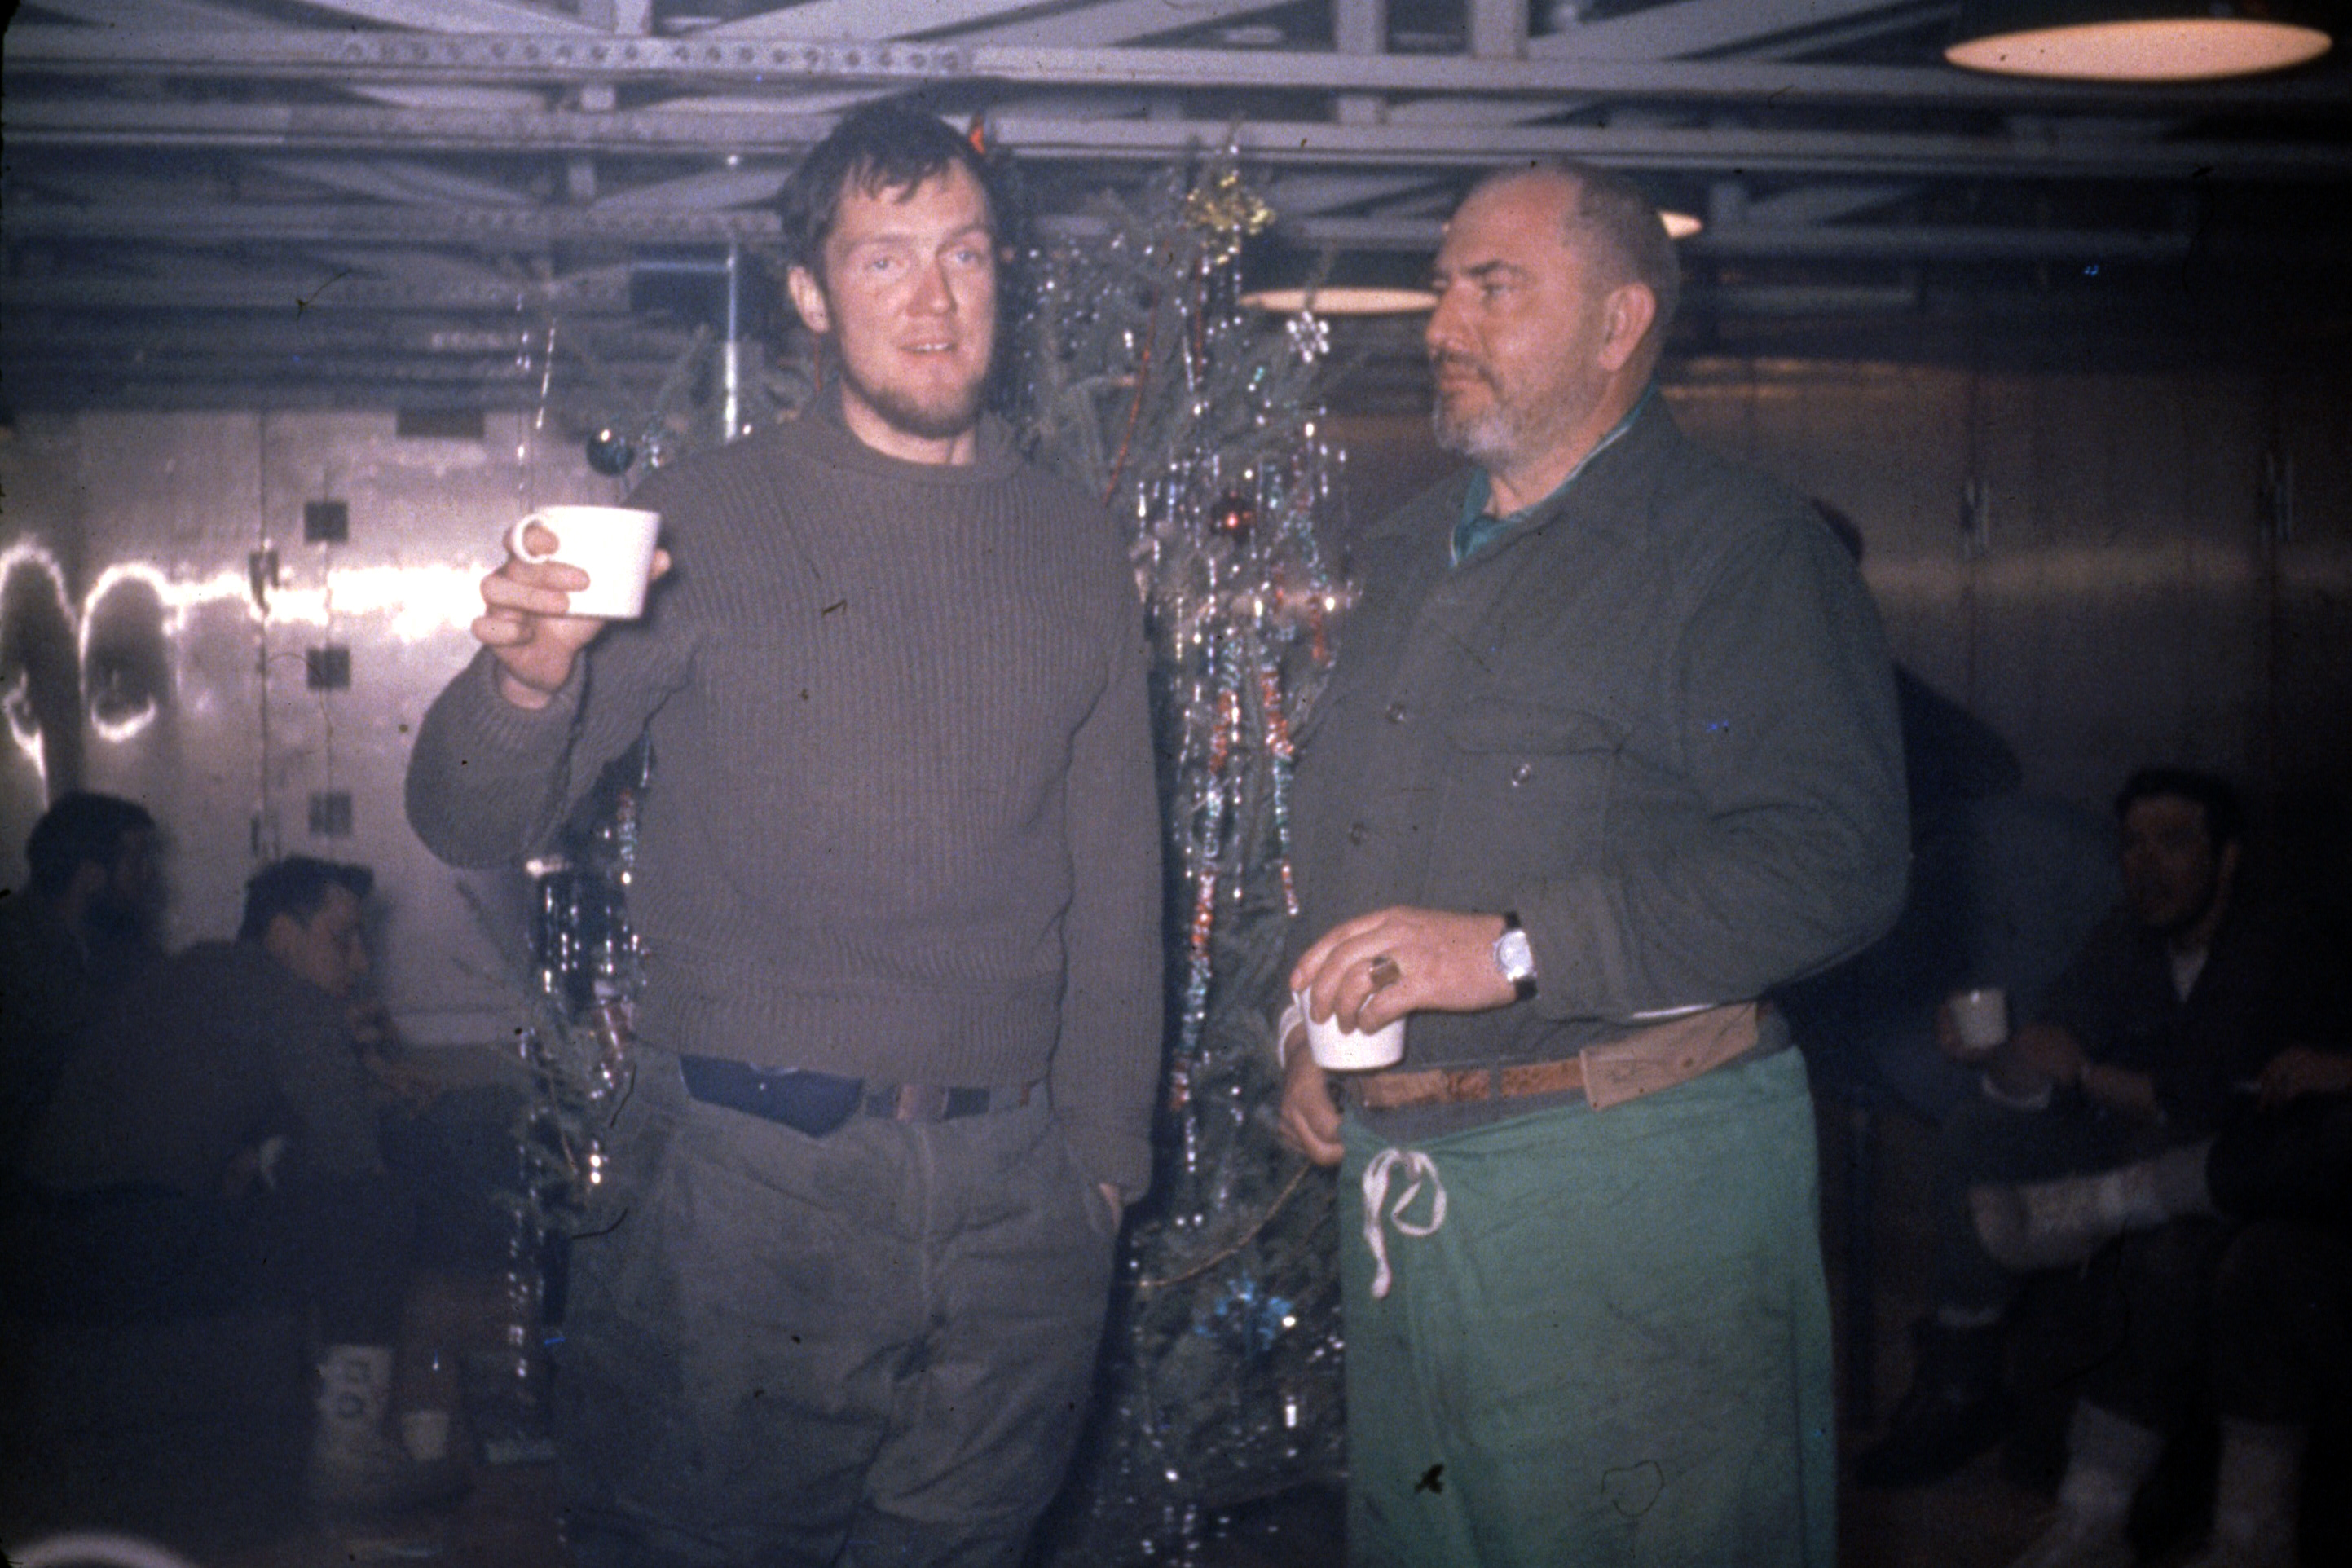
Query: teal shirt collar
pixel 1478 529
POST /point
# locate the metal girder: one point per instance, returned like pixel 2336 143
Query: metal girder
pixel 494 227
pixel 1835 152
pixel 1284 143
pixel 586 294
pixel 394 180
pixel 520 58
pixel 295 53
pixel 1115 21
pixel 459 16
pixel 1704 26
pixel 1905 242
pixel 80 122
pixel 863 18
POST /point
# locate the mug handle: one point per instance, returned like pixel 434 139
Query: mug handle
pixel 521 552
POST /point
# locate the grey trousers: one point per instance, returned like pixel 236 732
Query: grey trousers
pixel 871 1348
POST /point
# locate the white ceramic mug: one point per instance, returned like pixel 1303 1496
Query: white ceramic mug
pixel 1336 1049
pixel 1981 1016
pixel 613 545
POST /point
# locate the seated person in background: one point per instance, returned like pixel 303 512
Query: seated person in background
pixel 212 1145
pixel 2282 1303
pixel 2172 1007
pixel 82 929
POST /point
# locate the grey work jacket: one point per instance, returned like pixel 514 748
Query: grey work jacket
pixel 1657 721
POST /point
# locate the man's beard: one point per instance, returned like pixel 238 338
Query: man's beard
pixel 1480 436
pixel 940 420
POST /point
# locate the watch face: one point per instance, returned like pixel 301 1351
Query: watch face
pixel 1512 956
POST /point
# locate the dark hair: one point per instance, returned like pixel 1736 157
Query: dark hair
pixel 2225 818
pixel 1612 209
pixel 879 147
pixel 82 828
pixel 296 887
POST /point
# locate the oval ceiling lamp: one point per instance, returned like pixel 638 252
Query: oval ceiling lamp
pixel 1341 299
pixel 2137 40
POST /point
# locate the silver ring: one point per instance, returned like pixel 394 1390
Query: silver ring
pixel 1385 972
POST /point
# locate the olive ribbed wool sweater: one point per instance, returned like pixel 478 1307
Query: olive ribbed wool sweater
pixel 903 825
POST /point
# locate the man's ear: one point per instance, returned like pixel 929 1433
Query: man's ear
pixel 808 298
pixel 1626 315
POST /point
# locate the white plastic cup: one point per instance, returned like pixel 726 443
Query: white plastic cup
pixel 612 545
pixel 425 1434
pixel 1981 1016
pixel 1336 1049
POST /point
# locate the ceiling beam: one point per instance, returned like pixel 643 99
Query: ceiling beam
pixel 506 229
pixel 1879 154
pixel 596 290
pixel 346 56
pixel 863 18
pixel 1688 27
pixel 459 16
pixel 1900 242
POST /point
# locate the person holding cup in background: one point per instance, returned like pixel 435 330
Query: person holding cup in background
pixel 2163 1030
pixel 899 884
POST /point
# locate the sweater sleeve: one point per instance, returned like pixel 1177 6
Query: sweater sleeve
pixel 1781 686
pixel 1107 1058
pixel 489 782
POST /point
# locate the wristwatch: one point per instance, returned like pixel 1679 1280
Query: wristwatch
pixel 1515 958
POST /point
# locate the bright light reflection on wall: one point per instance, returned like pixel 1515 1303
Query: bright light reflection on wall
pixel 420 602
pixel 124 726
pixel 413 604
pixel 24 724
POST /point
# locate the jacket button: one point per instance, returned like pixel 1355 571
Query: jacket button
pixel 1358 831
pixel 1398 712
pixel 1521 772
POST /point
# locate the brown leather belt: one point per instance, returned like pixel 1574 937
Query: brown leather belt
pixel 1628 1067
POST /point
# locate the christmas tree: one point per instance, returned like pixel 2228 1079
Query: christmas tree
pixel 1141 376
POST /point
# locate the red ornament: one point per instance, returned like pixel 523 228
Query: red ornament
pixel 1234 514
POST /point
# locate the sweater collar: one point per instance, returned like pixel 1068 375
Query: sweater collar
pixel 996 459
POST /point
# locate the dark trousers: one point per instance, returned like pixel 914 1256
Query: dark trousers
pixel 873 1347
pixel 2283 1322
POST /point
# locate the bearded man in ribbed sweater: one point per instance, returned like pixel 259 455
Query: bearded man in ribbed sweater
pixel 898 887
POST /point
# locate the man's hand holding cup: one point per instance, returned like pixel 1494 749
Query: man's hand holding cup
pixel 569 568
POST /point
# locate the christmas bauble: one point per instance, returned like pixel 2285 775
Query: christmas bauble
pixel 1234 514
pixel 610 452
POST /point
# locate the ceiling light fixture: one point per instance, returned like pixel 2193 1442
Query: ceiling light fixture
pixel 2137 40
pixel 1341 299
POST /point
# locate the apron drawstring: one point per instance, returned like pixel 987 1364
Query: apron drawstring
pixel 1418 1168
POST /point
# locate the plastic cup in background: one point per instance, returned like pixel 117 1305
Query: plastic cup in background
pixel 425 1434
pixel 1981 1016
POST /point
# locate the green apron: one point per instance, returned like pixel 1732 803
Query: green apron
pixel 1604 1340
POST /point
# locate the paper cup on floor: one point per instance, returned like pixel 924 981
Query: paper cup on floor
pixel 1336 1049
pixel 612 545
pixel 1981 1016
